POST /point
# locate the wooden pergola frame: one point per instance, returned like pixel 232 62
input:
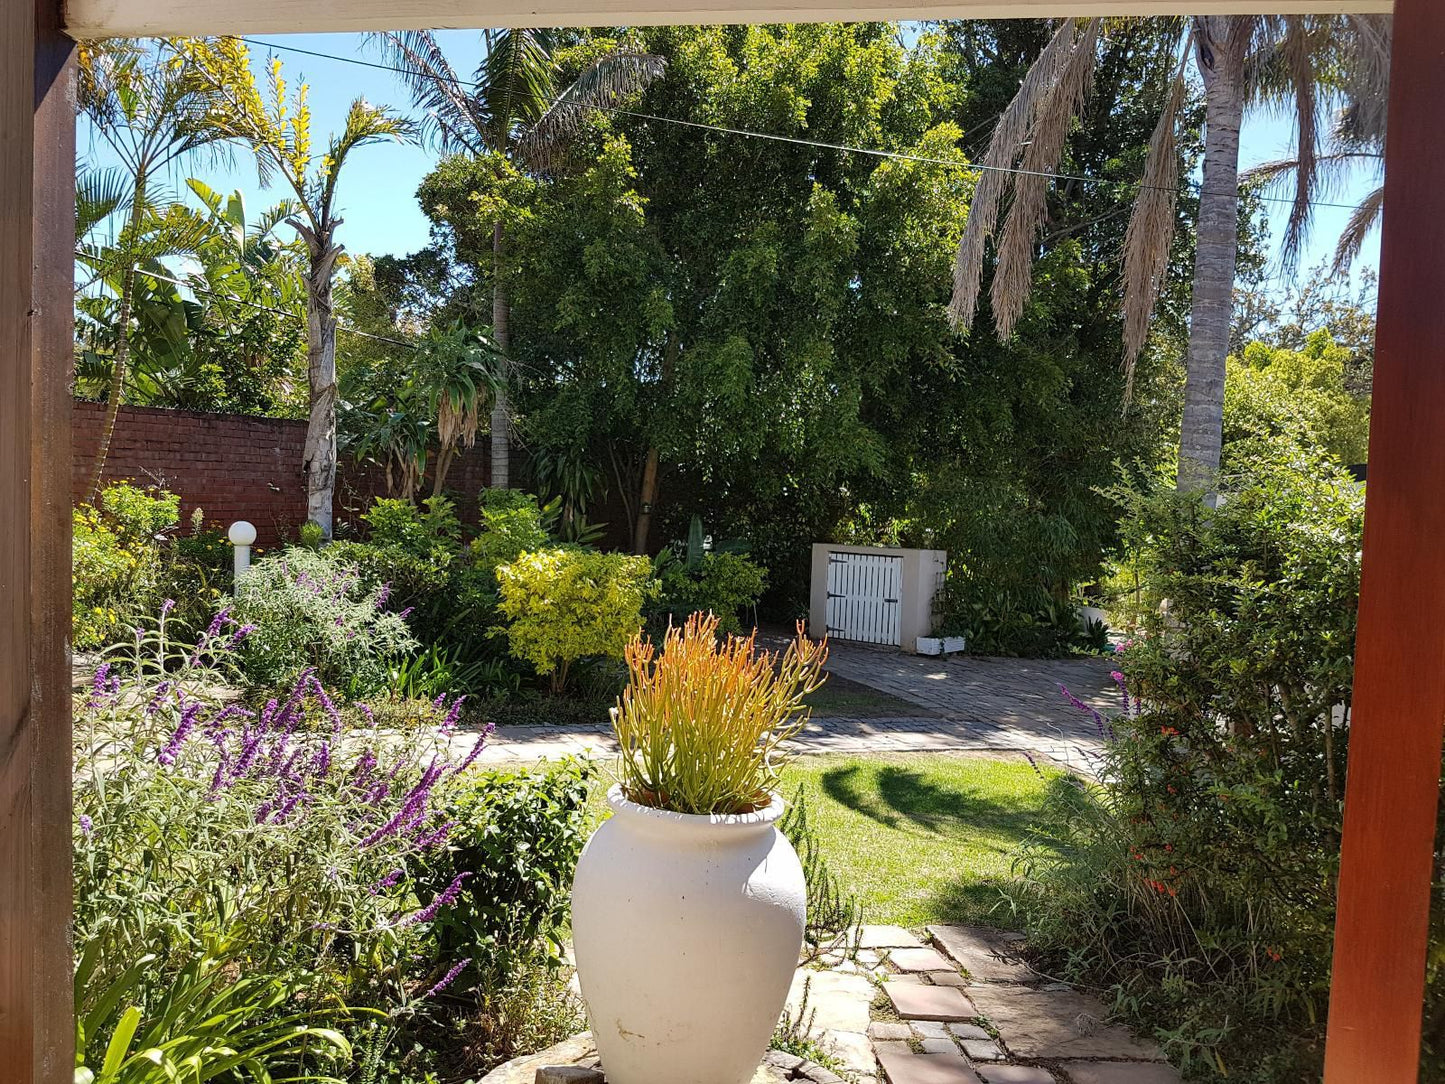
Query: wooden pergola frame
pixel 1399 699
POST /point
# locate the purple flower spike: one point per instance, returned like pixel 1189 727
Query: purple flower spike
pixel 383 595
pixel 86 824
pixel 447 897
pixel 450 722
pixel 1074 700
pixel 476 750
pixel 447 979
pixel 389 881
pixel 167 606
pixel 99 685
pixel 172 748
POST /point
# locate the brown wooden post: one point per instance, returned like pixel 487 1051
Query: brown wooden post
pixel 37 235
pixel 1391 791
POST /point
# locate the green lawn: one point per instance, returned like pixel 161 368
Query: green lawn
pixel 919 837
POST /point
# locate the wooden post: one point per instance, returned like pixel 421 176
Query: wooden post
pixel 37 234
pixel 1391 790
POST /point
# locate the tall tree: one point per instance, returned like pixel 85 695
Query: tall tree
pixel 277 128
pixel 513 107
pixel 152 109
pixel 1239 59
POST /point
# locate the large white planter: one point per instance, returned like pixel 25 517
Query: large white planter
pixel 686 931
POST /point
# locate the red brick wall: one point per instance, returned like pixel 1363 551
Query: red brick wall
pixel 235 467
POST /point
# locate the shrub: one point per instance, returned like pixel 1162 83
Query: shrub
pixel 429 532
pixel 256 859
pixel 700 727
pixel 116 562
pixel 519 833
pixel 311 610
pixel 563 604
pixel 723 584
pixel 511 526
pixel 1197 878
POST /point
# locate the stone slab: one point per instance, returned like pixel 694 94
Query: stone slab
pixel 783 1060
pixel 889 1030
pixel 852 1048
pixel 968 1031
pixel 947 978
pixel 765 1074
pixel 876 937
pixel 1056 1024
pixel 569 1074
pixel 920 1002
pixel 1015 1074
pixel 918 960
pixel 892 1047
pixel 1117 1072
pixel 929 1029
pixel 982 1050
pixel 985 953
pixel 927 1069
pixel 524 1070
pixel 840 1001
pixel 939 1046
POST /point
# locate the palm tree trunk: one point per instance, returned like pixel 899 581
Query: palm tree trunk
pixel 1220 56
pixel 318 458
pixel 647 496
pixel 116 391
pixel 501 335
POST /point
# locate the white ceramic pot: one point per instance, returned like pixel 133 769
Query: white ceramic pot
pixel 686 931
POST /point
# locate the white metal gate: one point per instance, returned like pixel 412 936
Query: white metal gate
pixel 864 590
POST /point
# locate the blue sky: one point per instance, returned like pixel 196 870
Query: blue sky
pixel 378 185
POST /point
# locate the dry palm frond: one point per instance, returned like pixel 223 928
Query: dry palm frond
pixel 606 81
pixel 1041 158
pixel 1151 231
pixel 1297 52
pixel 1003 149
pixel 1362 221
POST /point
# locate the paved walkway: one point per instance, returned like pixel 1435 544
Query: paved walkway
pixel 965 703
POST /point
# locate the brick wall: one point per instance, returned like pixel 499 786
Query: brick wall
pixel 235 467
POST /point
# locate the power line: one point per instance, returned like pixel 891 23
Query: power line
pixel 821 145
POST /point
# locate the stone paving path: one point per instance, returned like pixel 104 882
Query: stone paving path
pixel 955 1007
pixel 971 703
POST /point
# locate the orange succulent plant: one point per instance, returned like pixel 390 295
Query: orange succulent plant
pixel 702 724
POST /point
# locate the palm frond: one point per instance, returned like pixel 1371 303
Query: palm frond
pixel 453 120
pixel 1297 51
pixel 608 80
pixel 1362 220
pixel 516 81
pixel 99 193
pixel 1151 231
pixel 1003 149
pixel 1014 274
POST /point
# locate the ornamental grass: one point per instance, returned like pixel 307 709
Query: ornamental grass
pixel 702 724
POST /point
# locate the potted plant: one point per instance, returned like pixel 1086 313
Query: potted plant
pixel 688 905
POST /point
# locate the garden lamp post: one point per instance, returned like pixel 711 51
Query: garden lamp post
pixel 242 535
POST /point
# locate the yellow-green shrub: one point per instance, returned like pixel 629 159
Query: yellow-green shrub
pixel 566 603
pixel 116 560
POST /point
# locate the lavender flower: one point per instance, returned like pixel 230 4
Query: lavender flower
pixel 169 751
pixel 383 595
pixel 436 837
pixel 447 979
pixel 99 685
pixel 1120 681
pixel 167 606
pixel 239 635
pixel 450 722
pixel 1074 700
pixel 476 750
pixel 389 881
pixel 447 897
pixel 366 711
pixel 86 824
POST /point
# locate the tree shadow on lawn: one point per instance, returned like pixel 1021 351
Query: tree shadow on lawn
pixel 903 795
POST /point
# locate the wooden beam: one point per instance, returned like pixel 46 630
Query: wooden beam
pixel 37 234
pixel 1392 785
pixel 139 18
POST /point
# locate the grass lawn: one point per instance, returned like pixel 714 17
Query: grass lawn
pixel 919 837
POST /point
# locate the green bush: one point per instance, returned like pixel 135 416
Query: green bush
pixel 1196 880
pixel 723 584
pixel 565 603
pixel 424 532
pixel 512 525
pixel 116 560
pixel 311 609
pixel 519 833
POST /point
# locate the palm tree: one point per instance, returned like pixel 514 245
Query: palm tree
pixel 152 110
pixel 278 131
pixel 514 107
pixel 1357 138
pixel 1240 58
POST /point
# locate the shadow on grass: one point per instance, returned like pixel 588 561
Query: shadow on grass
pixel 896 796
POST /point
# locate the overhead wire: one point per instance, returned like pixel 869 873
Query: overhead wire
pixel 874 152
